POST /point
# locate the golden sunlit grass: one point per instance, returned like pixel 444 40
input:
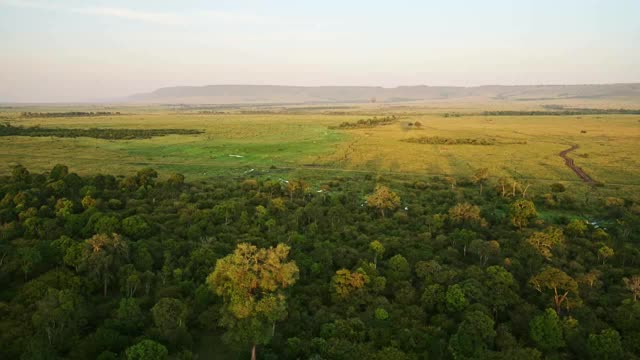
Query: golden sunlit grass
pixel 526 147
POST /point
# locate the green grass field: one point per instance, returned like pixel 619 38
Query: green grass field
pixel 299 140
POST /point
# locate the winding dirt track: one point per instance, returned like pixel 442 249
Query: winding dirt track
pixel 576 169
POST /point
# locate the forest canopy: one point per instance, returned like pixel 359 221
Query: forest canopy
pixel 150 266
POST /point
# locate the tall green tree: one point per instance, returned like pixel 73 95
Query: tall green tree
pixel 474 337
pixel 546 331
pixel 103 255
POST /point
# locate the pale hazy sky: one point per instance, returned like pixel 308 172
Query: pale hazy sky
pixel 72 50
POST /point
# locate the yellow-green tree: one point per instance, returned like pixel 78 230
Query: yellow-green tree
pixel 383 198
pixel 251 282
pixel 562 285
pixel 378 249
pixel 545 241
pixel 522 211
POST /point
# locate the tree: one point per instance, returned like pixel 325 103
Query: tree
pixel 135 227
pixel 546 331
pixel 633 284
pixel 465 213
pixel 484 249
pixel 522 211
pixel 398 268
pixel 455 298
pixel 57 314
pixel 345 282
pixel 129 316
pixel 59 172
pixel 20 174
pixel 29 258
pixel 576 228
pixel 474 336
pixel 169 314
pixel 383 199
pixel 503 287
pixel 545 241
pixel 480 176
pixel 175 180
pixel 147 350
pixel 378 249
pixel 146 177
pixel 557 280
pixel 251 282
pixel 606 346
pixel 102 255
pixel 604 253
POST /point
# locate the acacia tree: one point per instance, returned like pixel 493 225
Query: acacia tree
pixel 557 280
pixel 251 282
pixel 383 198
pixel 545 241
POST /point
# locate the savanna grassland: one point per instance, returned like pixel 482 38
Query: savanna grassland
pixel 309 141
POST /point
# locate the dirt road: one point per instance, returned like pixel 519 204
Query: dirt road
pixel 576 169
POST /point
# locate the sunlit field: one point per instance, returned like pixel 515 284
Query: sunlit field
pixel 305 140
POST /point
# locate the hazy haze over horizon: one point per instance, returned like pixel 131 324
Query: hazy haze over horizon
pixel 71 50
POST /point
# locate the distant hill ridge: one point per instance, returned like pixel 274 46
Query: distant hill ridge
pixel 266 94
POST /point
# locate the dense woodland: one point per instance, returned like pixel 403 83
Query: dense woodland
pixel 105 267
pixel 97 133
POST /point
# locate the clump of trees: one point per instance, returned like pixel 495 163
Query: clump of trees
pixel 367 123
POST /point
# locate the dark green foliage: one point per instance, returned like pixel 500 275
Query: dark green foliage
pixel 109 134
pixel 147 350
pixel 105 267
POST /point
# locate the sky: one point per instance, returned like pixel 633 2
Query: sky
pixel 89 50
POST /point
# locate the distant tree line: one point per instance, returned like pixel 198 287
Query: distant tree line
pixel 28 114
pixel 439 140
pixel 552 110
pixel 110 134
pixel 566 112
pixel 367 123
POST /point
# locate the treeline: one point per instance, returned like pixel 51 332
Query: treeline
pixel 439 140
pixel 367 123
pixel 28 114
pixel 109 134
pixel 139 267
pixel 566 112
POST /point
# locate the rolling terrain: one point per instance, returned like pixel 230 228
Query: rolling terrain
pixel 271 94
